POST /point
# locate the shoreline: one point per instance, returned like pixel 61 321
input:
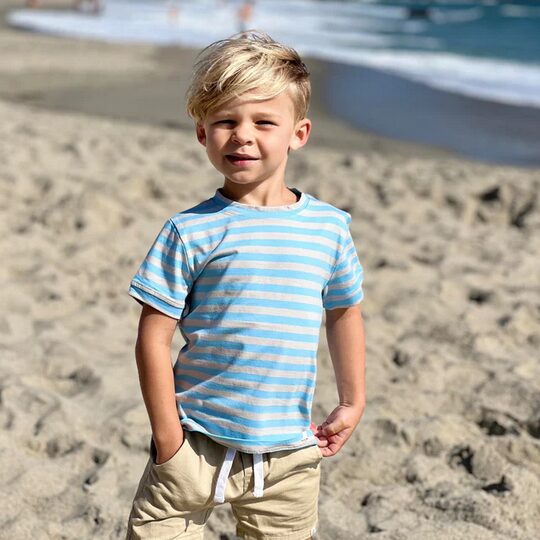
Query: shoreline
pixel 158 101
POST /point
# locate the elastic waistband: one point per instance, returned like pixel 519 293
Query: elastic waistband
pixel 223 475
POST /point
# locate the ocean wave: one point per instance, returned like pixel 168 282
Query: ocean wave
pixel 446 16
pixel 493 80
pixel 323 34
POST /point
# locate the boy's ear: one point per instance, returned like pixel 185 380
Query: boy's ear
pixel 201 133
pixel 301 134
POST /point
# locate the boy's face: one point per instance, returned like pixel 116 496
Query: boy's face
pixel 248 141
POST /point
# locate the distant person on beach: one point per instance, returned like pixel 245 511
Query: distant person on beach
pixel 87 6
pixel 246 275
pixel 245 15
pixel 173 11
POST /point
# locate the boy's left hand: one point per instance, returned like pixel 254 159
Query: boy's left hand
pixel 337 428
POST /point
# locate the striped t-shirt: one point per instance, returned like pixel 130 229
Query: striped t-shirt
pixel 248 285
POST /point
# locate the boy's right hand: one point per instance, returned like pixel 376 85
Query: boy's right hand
pixel 168 446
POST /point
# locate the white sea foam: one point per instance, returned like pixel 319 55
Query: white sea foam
pixel 458 15
pixel 359 34
pixel 517 10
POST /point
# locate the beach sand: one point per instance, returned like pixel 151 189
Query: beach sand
pixel 448 447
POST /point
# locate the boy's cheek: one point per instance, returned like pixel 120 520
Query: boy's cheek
pixel 214 142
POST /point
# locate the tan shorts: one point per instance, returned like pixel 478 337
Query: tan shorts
pixel 175 498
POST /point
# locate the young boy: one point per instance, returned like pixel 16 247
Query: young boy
pixel 245 275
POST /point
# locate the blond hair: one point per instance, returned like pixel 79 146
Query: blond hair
pixel 252 62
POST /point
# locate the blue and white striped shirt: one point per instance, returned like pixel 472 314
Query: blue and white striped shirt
pixel 248 285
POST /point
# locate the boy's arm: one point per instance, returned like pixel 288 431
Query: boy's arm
pixel 346 343
pixel 156 376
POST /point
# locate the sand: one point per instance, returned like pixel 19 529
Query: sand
pixel 448 447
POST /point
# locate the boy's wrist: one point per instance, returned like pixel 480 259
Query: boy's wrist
pixel 356 409
pixel 357 405
pixel 167 447
pixel 165 435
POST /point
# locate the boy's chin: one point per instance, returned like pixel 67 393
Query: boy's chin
pixel 234 179
pixel 240 177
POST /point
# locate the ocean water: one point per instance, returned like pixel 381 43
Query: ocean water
pixel 488 51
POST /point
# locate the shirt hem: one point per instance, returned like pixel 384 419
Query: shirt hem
pixel 258 449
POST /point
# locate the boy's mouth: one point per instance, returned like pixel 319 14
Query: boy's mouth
pixel 240 159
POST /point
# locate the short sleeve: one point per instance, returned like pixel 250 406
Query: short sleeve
pixel 344 288
pixel 164 279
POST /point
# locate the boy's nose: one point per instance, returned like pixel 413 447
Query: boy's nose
pixel 241 135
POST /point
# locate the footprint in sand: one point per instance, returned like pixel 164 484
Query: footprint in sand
pixel 99 459
pixel 25 409
pixel 77 380
pixel 70 379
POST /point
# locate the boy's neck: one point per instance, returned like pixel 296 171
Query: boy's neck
pixel 259 195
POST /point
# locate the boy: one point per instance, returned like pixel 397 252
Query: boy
pixel 245 275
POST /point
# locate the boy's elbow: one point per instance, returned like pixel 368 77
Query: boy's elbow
pixel 143 349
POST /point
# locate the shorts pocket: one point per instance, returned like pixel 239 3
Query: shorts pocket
pixel 183 482
pixel 318 451
pixel 153 452
pixel 309 455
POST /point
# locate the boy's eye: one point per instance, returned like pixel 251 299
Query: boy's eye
pixel 224 122
pixel 266 122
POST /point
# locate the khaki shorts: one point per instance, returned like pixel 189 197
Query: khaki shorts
pixel 175 498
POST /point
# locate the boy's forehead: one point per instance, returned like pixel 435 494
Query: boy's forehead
pixel 280 105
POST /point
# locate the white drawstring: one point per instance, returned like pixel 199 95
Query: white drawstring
pixel 219 495
pixel 258 474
